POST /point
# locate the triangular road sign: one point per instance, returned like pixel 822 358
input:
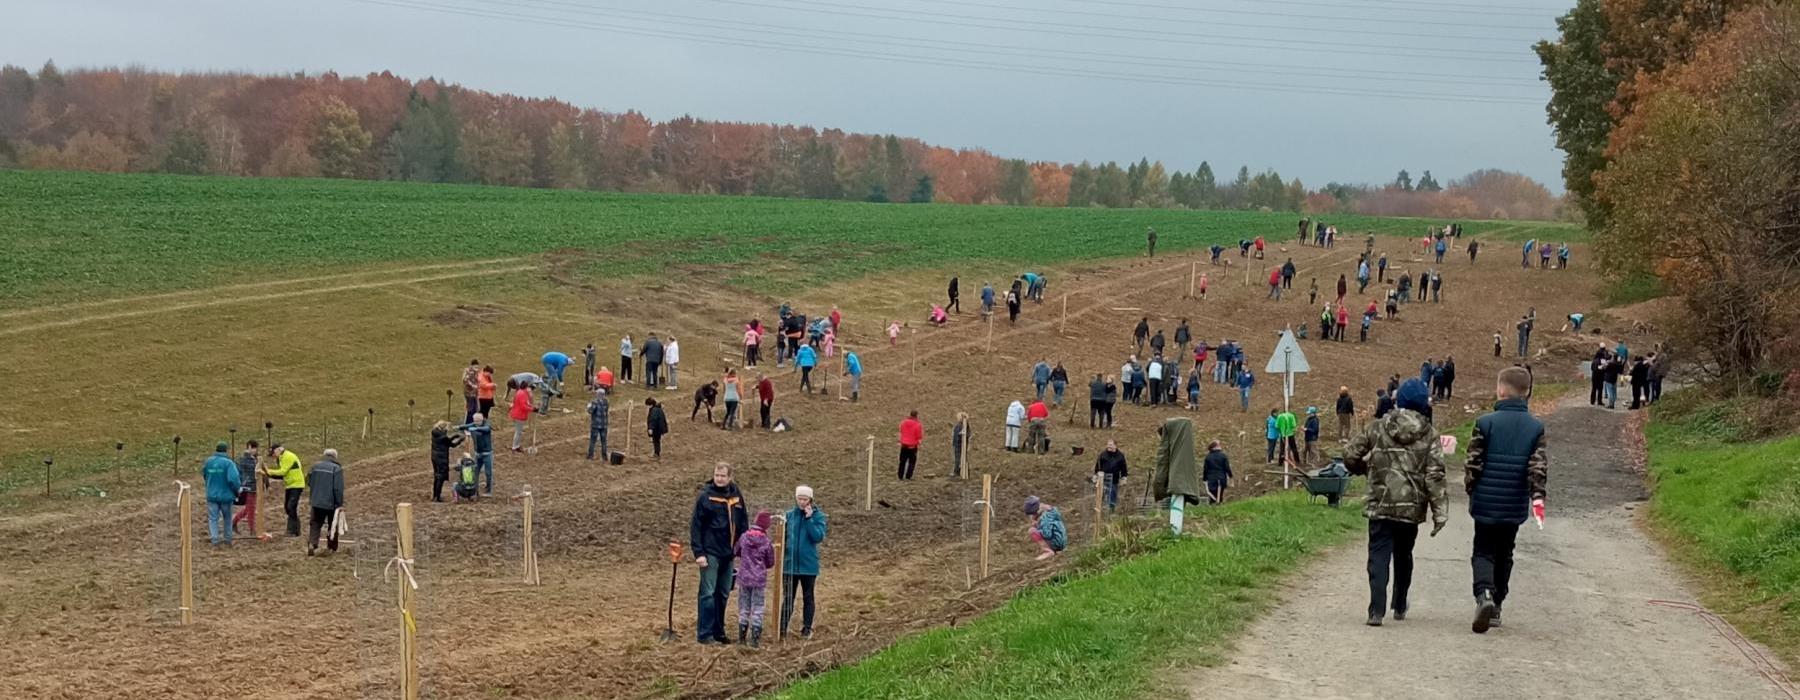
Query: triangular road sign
pixel 1287 357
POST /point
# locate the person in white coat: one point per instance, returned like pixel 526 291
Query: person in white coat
pixel 1015 419
pixel 672 358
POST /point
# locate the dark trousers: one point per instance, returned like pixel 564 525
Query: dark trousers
pixel 656 444
pixel 762 407
pixel 750 355
pixel 484 407
pixel 731 417
pixel 470 406
pixel 715 595
pixel 1155 392
pixel 804 584
pixel 440 473
pixel 321 519
pixel 1655 389
pixel 954 305
pixel 1096 410
pixel 292 505
pixel 806 385
pixel 1493 559
pixel 1596 395
pixel 1390 544
pixel 651 370
pixel 624 368
pixel 909 458
pixel 696 412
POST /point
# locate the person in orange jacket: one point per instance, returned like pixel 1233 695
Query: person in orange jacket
pixel 484 392
pixel 520 413
pixel 604 378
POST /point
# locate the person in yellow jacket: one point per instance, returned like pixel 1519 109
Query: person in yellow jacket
pixel 286 466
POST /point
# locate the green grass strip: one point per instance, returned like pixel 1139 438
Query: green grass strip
pixel 1106 632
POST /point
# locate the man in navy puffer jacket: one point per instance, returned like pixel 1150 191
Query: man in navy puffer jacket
pixel 1505 478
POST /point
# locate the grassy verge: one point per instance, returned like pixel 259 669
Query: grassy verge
pixel 1104 633
pixel 1730 511
pixel 1633 289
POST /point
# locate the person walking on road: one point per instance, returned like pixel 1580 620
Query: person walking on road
pixel 806 528
pixel 1505 478
pixel 912 434
pixel 293 478
pixel 325 481
pixel 222 482
pixel 720 517
pixel 1405 466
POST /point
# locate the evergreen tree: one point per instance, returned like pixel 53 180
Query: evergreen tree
pixel 185 152
pixel 1206 188
pixel 819 171
pixel 1403 182
pixel 1081 185
pixel 1015 184
pixel 1426 184
pixel 1112 186
pixel 923 192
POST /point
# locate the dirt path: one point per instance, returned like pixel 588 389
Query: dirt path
pixel 1584 620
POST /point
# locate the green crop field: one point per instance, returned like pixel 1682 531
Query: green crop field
pixel 82 236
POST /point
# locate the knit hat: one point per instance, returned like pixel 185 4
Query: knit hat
pixel 1312 410
pixel 1031 505
pixel 221 447
pixel 803 491
pixel 762 520
pixel 1413 397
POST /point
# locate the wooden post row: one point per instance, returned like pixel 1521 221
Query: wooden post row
pixel 869 483
pixel 1099 506
pixel 409 629
pixel 775 584
pixel 967 438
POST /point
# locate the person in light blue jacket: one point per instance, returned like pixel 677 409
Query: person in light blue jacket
pixel 853 370
pixel 1040 377
pixel 806 359
pixel 222 483
pixel 806 526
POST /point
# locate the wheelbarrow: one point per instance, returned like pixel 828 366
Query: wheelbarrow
pixel 1329 481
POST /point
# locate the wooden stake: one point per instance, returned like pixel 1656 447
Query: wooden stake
pixel 987 511
pixel 185 505
pixel 967 438
pixel 368 423
pixel 447 414
pixel 779 536
pixel 1099 506
pixel 630 420
pixel 869 482
pixel 409 414
pixel 990 338
pixel 175 464
pixel 1064 323
pixel 915 350
pixel 1193 272
pixel 530 554
pixel 119 463
pixel 409 652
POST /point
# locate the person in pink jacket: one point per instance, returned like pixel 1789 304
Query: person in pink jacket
pixel 755 555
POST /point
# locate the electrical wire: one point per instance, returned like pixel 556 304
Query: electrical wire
pixel 1064 28
pixel 1211 23
pixel 1401 6
pixel 925 60
pixel 1136 60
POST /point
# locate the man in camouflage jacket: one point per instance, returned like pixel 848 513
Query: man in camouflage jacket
pixel 1405 465
pixel 1505 479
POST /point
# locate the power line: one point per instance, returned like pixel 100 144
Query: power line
pixel 1211 23
pixel 924 60
pixel 1033 52
pixel 1084 30
pixel 1402 6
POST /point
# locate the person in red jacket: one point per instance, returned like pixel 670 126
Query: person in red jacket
pixel 765 397
pixel 912 433
pixel 1343 321
pixel 1274 283
pixel 520 413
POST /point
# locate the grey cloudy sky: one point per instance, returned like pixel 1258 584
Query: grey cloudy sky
pixel 1346 90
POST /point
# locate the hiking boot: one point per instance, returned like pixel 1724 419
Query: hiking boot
pixel 1494 622
pixel 756 638
pixel 806 633
pixel 743 634
pixel 1400 614
pixel 1374 621
pixel 1485 610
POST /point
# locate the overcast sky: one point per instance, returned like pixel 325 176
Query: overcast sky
pixel 1323 90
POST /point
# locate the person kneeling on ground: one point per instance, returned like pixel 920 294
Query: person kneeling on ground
pixel 1405 465
pixel 1046 528
pixel 465 488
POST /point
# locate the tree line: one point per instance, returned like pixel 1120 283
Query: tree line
pixel 381 126
pixel 1680 125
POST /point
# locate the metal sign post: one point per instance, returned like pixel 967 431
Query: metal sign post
pixel 1287 360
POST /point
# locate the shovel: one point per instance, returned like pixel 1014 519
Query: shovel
pixel 534 446
pixel 668 633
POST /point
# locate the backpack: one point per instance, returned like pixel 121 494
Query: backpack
pixel 465 480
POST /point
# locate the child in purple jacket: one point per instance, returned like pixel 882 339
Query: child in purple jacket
pixel 755 555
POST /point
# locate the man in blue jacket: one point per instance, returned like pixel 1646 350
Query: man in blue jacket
pixel 1505 478
pixel 222 483
pixel 1040 377
pixel 853 369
